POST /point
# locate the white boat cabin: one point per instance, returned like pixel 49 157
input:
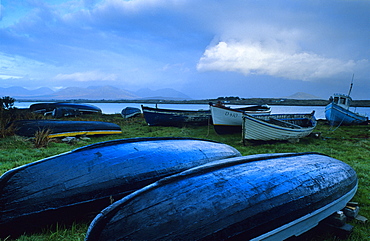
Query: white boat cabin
pixel 341 100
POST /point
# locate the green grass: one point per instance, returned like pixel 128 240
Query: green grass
pixel 350 144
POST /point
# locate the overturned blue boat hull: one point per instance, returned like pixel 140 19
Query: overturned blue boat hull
pixel 129 112
pixel 82 182
pixel 49 107
pixel 260 197
pixel 337 115
pixel 59 128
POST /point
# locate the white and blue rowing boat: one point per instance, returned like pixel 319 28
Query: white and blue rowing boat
pixel 277 127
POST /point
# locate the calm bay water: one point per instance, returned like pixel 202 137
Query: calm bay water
pixel 114 108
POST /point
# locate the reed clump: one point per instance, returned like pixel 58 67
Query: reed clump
pixel 42 138
pixel 9 116
pixel 6 126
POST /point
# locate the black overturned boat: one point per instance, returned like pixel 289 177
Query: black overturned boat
pixel 174 117
pixel 59 128
pixel 62 109
pixel 259 197
pixel 80 183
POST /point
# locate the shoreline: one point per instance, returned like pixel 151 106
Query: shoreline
pixel 249 101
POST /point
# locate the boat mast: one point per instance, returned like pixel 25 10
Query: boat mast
pixel 350 89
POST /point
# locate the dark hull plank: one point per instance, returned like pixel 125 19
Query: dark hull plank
pixel 243 198
pixel 82 182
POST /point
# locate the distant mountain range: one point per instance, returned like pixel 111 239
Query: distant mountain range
pixel 107 93
pixel 17 91
pixel 91 93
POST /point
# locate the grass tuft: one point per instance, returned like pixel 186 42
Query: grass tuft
pixel 42 138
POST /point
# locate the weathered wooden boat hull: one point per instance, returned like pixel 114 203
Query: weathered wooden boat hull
pixel 169 117
pixel 337 115
pixel 47 108
pixel 229 120
pixel 59 128
pixel 129 112
pixel 75 184
pixel 278 126
pixel 260 197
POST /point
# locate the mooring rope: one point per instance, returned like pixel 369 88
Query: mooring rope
pixel 337 126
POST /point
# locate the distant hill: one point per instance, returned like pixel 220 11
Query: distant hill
pixel 94 93
pixel 303 96
pixel 164 94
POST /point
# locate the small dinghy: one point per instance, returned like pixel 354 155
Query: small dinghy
pixel 129 112
pixel 59 128
pixel 259 197
pixel 82 182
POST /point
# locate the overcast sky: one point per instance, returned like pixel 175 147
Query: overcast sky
pixel 203 48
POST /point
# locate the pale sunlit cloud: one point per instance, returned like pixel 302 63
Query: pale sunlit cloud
pixel 252 58
pixel 87 76
pixel 5 77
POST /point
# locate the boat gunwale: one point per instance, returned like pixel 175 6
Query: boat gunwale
pixel 81 133
pixel 244 109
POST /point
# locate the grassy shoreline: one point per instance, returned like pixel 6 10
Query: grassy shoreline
pixel 350 144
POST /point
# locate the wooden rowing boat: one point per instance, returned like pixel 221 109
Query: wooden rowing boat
pixel 82 182
pixel 277 127
pixel 259 197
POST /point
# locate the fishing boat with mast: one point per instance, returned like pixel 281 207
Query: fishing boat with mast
pixel 338 112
